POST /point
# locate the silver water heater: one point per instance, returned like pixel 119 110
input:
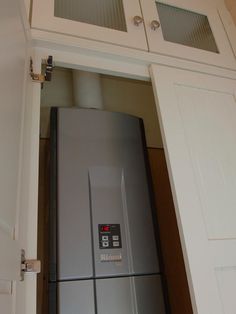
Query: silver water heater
pixel 103 256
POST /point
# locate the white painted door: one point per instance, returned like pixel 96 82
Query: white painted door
pixel 16 220
pixel 182 30
pixel 198 119
pixel 103 20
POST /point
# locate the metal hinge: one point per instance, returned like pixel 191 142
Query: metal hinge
pixel 47 76
pixel 29 265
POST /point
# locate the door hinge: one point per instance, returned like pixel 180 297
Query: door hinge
pixel 29 265
pixel 41 78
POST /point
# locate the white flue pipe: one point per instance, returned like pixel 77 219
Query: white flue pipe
pixel 87 90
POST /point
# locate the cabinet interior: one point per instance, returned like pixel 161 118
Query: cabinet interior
pixel 136 98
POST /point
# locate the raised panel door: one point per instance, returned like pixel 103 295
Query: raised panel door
pixel 198 121
pixel 18 182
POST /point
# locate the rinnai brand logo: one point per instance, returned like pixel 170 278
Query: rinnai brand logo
pixel 111 257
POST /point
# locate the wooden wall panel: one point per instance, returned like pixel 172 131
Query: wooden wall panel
pixel 174 268
pixel 231 6
pixel 43 207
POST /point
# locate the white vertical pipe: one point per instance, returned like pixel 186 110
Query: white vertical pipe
pixel 87 90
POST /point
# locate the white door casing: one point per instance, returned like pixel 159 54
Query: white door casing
pixel 18 180
pixel 197 113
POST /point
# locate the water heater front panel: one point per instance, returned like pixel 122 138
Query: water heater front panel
pixel 111 251
pixel 76 297
pixel 115 296
pixel 74 238
pixel 141 294
pixel 102 180
pixel 126 295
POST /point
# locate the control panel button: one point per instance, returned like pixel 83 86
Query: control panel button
pixel 105 244
pixel 115 244
pixel 115 238
pixel 104 238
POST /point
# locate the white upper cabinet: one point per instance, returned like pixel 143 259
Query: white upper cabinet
pixel 114 21
pixel 187 29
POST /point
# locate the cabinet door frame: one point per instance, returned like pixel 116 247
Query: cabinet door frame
pixel 157 43
pixel 43 18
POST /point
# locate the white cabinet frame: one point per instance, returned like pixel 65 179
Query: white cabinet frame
pixel 43 18
pixel 156 42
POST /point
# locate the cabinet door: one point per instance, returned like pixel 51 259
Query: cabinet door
pixel 188 29
pixel 198 120
pixel 16 220
pixel 103 20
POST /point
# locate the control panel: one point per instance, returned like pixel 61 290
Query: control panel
pixel 109 236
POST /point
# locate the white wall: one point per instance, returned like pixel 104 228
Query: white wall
pixel 119 94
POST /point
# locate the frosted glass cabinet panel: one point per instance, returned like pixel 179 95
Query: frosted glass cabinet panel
pixel 105 13
pixel 187 29
pixel 114 21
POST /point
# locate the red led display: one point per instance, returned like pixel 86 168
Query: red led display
pixel 105 228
